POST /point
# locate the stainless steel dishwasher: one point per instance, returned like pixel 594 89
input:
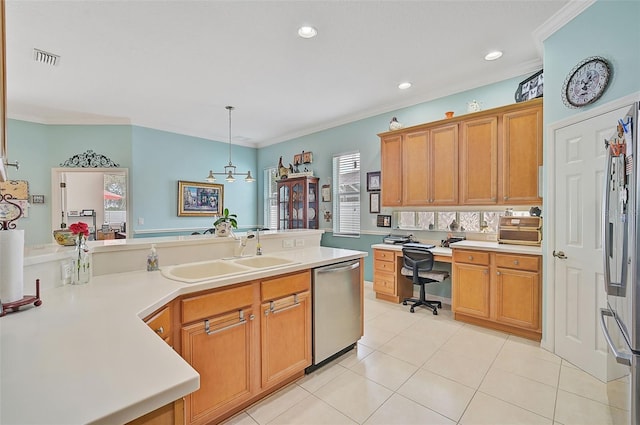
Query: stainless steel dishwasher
pixel 337 310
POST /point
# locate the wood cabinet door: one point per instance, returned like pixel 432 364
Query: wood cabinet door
pixel 479 161
pixel 471 290
pixel 521 156
pixel 222 356
pixel 391 170
pixel 415 168
pixel 285 337
pixel 443 167
pixel 518 298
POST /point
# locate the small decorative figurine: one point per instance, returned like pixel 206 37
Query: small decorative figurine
pixel 394 124
pixel 473 106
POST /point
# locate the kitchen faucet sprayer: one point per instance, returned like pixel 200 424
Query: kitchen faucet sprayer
pixel 258 246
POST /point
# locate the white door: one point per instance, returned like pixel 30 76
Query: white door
pixel 579 289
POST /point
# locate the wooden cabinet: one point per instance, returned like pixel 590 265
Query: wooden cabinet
pixel 298 203
pixel 497 290
pixel 391 171
pixel 222 345
pixel 421 167
pixel 286 327
pixel 386 276
pixel 490 157
pixel 169 414
pixel 161 324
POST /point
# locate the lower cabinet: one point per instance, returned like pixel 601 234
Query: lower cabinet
pixel 501 291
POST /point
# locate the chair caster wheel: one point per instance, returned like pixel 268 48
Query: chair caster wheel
pixel 404 303
pixel 412 310
pixel 435 312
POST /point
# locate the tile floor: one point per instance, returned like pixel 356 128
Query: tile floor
pixel 425 369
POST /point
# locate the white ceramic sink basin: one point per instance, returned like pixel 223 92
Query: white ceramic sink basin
pixel 197 272
pixel 260 262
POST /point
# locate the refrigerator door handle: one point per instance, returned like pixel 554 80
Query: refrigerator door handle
pixel 606 197
pixel 622 358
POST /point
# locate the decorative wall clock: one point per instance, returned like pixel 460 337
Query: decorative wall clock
pixel 586 82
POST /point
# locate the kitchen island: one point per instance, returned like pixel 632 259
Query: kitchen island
pixel 86 356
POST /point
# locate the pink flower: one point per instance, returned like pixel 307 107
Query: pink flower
pixel 80 228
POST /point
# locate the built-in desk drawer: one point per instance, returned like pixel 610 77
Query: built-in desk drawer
pixel 384 282
pixel 518 262
pixel 471 257
pixel 382 255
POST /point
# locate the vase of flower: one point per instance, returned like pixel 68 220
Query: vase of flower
pixel 81 260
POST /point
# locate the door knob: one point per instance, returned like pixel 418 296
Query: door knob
pixel 560 255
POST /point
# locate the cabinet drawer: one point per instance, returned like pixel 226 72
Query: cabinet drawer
pixel 161 322
pixel 286 285
pixel 518 262
pixel 385 266
pixel 383 255
pixel 471 257
pixel 203 306
pixel 384 283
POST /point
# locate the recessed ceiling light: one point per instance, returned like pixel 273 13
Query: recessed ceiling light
pixel 307 32
pixel 491 56
pixel 404 86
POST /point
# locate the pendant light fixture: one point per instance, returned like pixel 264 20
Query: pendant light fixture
pixel 230 169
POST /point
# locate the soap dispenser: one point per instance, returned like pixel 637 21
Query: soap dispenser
pixel 152 259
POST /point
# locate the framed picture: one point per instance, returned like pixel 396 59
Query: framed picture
pixel 197 199
pixel 297 159
pixel 530 88
pixel 307 157
pixel 384 221
pixel 374 202
pixel 373 181
pixel 326 193
pixel 37 199
pixel 88 213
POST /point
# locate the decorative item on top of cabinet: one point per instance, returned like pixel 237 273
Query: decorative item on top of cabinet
pixel 474 106
pixel 394 124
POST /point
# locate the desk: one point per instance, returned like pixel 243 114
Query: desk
pixel 388 282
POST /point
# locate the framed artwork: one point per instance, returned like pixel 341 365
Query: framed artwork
pixel 297 159
pixel 307 157
pixel 326 193
pixel 373 181
pixel 374 202
pixel 384 221
pixel 37 199
pixel 530 88
pixel 197 199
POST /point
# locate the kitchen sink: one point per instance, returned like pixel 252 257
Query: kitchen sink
pixel 196 272
pixel 260 262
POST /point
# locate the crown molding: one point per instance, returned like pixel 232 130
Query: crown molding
pixel 557 21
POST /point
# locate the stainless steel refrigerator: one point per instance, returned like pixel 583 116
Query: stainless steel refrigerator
pixel 620 224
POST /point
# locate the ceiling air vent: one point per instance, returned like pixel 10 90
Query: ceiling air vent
pixel 45 57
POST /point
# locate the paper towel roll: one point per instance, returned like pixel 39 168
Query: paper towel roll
pixel 11 265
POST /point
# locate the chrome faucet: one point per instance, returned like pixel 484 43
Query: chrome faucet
pixel 258 247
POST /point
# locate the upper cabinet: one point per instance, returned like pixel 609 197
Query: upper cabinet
pixel 490 157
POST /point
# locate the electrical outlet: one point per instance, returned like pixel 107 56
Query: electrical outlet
pixel 140 221
pixel 299 242
pixel 287 243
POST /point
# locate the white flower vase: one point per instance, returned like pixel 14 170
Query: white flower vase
pixel 81 263
pixel 223 229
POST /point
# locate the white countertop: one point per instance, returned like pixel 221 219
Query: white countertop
pixel 85 355
pixel 438 250
pixel 467 244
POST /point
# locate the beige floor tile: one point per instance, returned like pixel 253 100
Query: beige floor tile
pixel 529 366
pixel 399 410
pixel 385 370
pixel 354 356
pixel 576 381
pixel 373 309
pixel 487 410
pixel 313 381
pixel 524 392
pixel 460 367
pixel 572 409
pixel 375 337
pixel 354 395
pixel 483 343
pixel 394 321
pixel 277 403
pixel 312 411
pixel 529 348
pixel 436 328
pixel 440 394
pixel 412 349
pixel 241 418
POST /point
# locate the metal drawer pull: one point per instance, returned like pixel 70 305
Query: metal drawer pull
pixel 516 262
pixel 160 330
pixel 272 306
pixel 241 321
pixel 470 257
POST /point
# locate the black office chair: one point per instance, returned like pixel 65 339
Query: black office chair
pixel 212 231
pixel 418 265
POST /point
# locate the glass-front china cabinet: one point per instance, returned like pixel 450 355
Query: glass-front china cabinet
pixel 298 203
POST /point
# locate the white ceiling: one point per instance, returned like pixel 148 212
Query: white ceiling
pixel 174 65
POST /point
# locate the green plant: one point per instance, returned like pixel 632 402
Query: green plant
pixel 231 218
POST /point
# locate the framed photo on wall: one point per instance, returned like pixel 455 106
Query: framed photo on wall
pixel 197 199
pixel 374 202
pixel 373 181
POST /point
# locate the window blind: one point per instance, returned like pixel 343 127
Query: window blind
pixel 346 194
pixel 270 209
